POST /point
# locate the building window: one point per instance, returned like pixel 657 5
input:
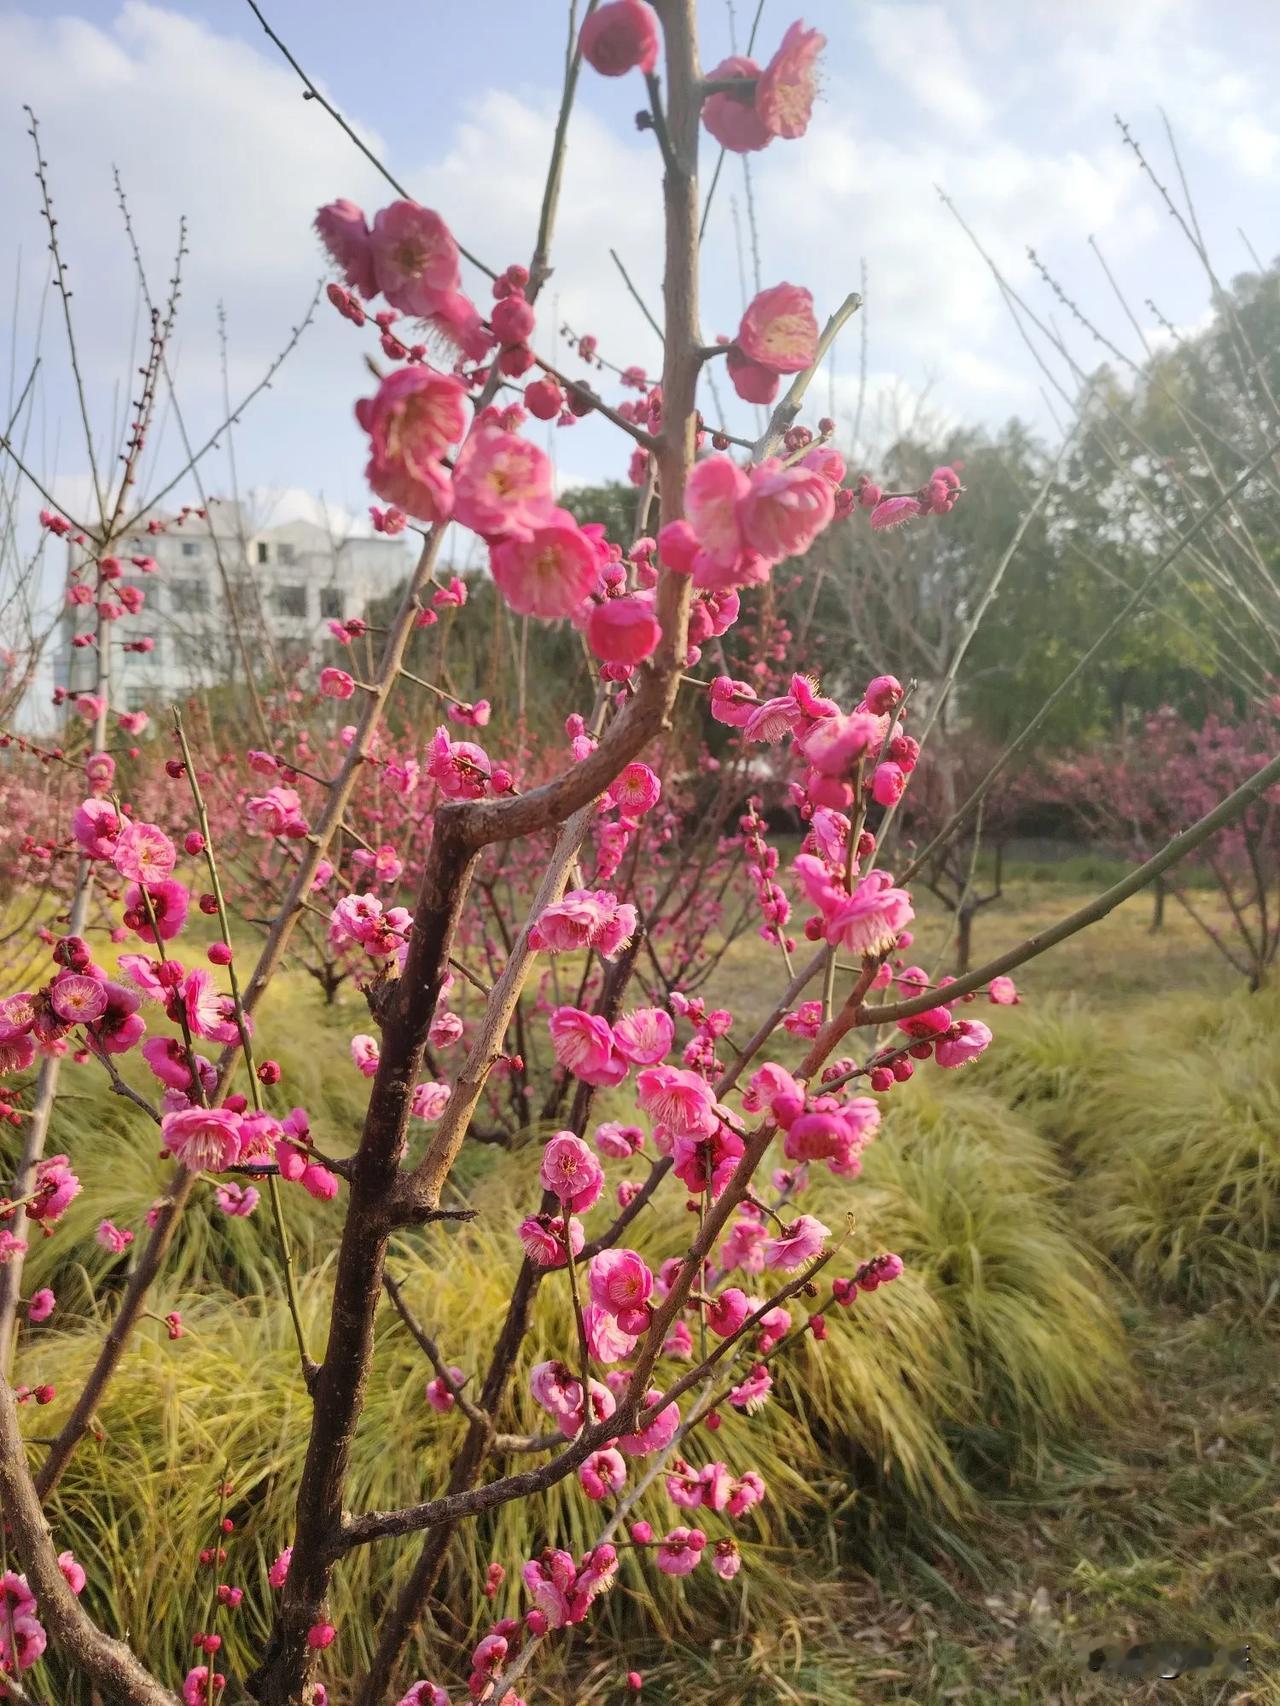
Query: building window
pixel 291 600
pixel 331 603
pixel 191 547
pixel 264 552
pixel 286 554
pixel 188 597
pixel 138 698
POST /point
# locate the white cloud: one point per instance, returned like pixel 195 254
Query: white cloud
pixel 919 48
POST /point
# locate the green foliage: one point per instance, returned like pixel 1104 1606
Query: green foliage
pixel 1180 1150
pixel 1169 1114
pixel 613 506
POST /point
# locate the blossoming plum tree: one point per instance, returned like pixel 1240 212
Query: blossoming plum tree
pixel 1132 795
pixel 654 1348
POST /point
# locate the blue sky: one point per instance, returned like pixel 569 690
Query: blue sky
pixel 1006 103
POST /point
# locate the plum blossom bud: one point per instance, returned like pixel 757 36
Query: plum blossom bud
pixel 624 630
pixel 883 694
pixel 887 784
pixel 543 398
pixel 618 37
pixel 512 320
pixel 336 684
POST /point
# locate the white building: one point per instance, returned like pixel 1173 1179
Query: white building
pixel 286 582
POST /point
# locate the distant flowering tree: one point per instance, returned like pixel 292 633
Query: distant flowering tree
pixel 1134 795
pixel 451 875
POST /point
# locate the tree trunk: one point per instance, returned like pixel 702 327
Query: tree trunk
pixel 964 940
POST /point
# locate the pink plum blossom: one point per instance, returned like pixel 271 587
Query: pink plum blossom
pixel 655 1435
pixel 751 1393
pixel 209 1014
pixel 277 812
pixel 644 1036
pixel 752 381
pixel 712 494
pixel 585 919
pixel 892 512
pixel 196 1686
pixel 429 1100
pixel 779 331
pixel 344 231
pixel 144 853
pixel 731 118
pixel 571 1172
pixel 112 1237
pixel 678 1099
pixel 56 1187
pixel 96 828
pixel 238 1201
pixel 336 684
pixel 788 84
pixel 167 1059
pixel 727 1311
pixel 965 1041
pixel 603 1474
pixel 169 902
pixel 606 1340
pixel 618 1141
pixel 732 702
pixel 442 1394
pixel 543 1238
pixel 799 1243
pixel 460 768
pixel 872 918
pixel 635 790
pixel 785 510
pixel 501 484
pixel 203 1139
pixel 365 1053
pixel 414 256
pixel 77 1000
pixel 424 1694
pixel 835 744
pixel 550 571
pixel 41 1305
pixel 120 1026
pixel 583 1044
pixel 680 1551
pixel 413 418
pixel 621 1283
